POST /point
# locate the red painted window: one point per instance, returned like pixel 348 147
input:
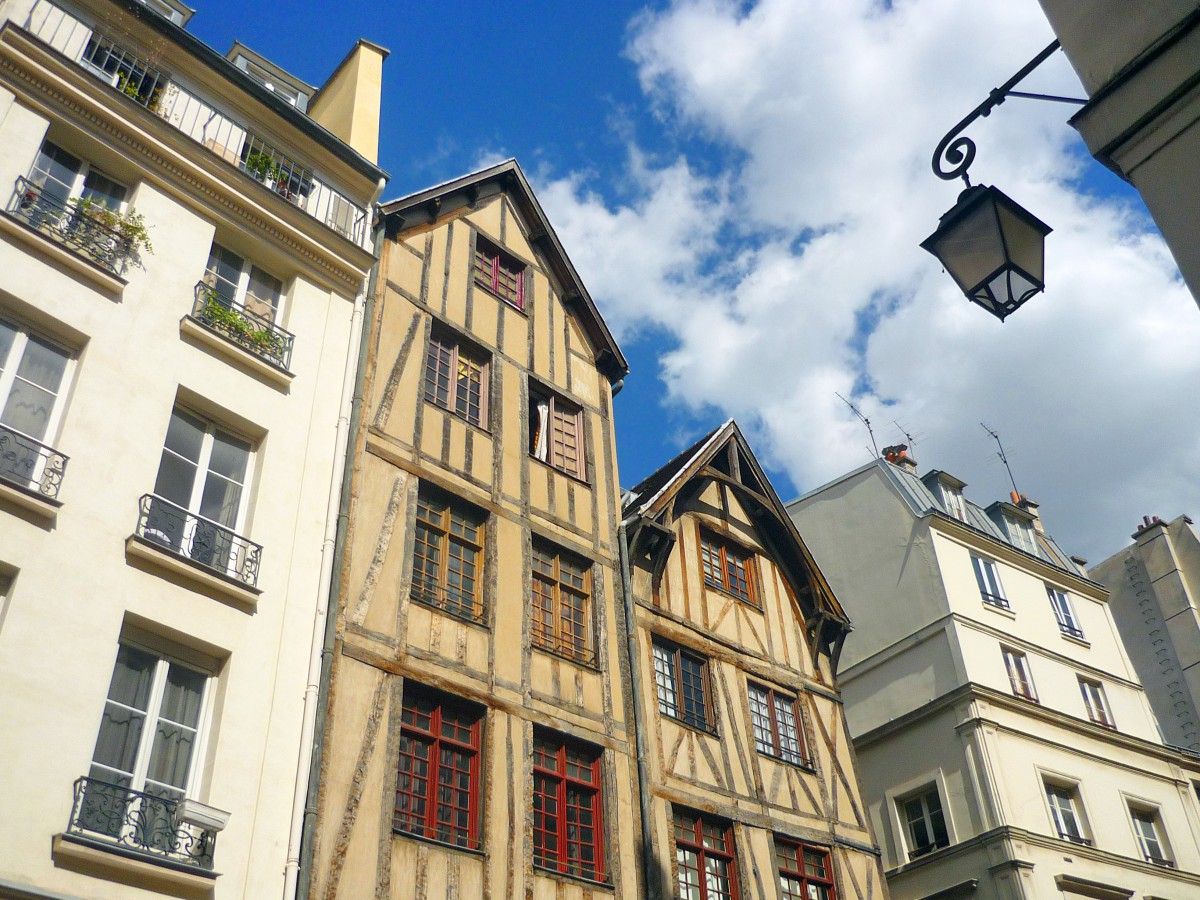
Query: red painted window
pixel 707 867
pixel 456 378
pixel 805 871
pixel 568 821
pixel 447 555
pixel 777 724
pixel 499 273
pixel 437 784
pixel 727 567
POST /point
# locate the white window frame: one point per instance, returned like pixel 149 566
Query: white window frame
pixel 1021 535
pixel 1095 701
pixel 1066 792
pixel 198 484
pixel 1016 664
pixel 8 378
pixel 1064 613
pixel 1144 814
pixel 954 502
pixel 922 796
pixel 242 288
pixel 86 167
pixel 987 575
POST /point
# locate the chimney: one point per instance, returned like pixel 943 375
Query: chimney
pixel 898 456
pixel 1030 506
pixel 1148 522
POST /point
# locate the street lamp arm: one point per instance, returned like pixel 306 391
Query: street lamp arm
pixel 959 150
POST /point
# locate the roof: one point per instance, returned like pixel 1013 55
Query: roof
pixel 653 496
pixel 922 501
pixel 426 205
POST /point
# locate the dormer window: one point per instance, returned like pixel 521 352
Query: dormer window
pixel 1021 534
pixel 952 499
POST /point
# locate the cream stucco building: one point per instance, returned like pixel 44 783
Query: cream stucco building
pixel 1007 747
pixel 1154 603
pixel 185 240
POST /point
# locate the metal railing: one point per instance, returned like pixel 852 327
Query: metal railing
pixel 1072 630
pixel 219 312
pixel 1160 861
pixel 71 225
pixel 200 540
pixel 190 113
pixel 1074 838
pixel 30 464
pixel 140 823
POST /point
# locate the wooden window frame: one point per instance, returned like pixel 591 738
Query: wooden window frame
pixel 719 552
pixel 449 540
pixel 770 732
pixel 1150 817
pixel 1061 796
pixel 1020 675
pixel 982 565
pixel 552 601
pixel 697 842
pixel 426 826
pixel 558 786
pixel 674 659
pixel 794 868
pixel 1095 701
pixel 444 357
pixel 491 266
pixel 553 452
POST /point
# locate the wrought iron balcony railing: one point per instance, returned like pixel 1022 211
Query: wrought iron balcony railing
pixel 29 464
pixel 1160 861
pixel 198 539
pixel 196 117
pixel 1072 630
pixel 219 312
pixel 139 823
pixel 72 225
pixel 1074 838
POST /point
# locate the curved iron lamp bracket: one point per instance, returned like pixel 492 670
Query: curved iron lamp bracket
pixel 958 150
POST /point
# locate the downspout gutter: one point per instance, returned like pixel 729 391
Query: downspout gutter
pixel 653 887
pixel 298 875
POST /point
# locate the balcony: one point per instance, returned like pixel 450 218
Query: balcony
pixel 1071 630
pixel 142 825
pixel 195 116
pixel 198 541
pixel 30 465
pixel 81 228
pixel 220 313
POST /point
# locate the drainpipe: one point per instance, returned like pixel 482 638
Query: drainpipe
pixel 298 870
pixel 653 887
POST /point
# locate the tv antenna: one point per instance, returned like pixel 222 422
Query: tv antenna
pixel 858 412
pixel 1003 458
pixel 909 439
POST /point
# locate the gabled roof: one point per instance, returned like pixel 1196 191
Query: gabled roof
pixel 922 501
pixel 724 456
pixel 506 177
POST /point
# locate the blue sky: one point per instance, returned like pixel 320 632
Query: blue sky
pixel 743 186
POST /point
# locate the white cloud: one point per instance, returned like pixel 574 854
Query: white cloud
pixel 763 274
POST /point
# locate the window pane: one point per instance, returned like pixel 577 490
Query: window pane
pixel 262 296
pixel 230 457
pixel 103 190
pixel 55 171
pixel 664 679
pixel 185 433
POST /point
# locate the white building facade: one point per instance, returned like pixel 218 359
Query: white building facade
pixel 1006 746
pixel 184 254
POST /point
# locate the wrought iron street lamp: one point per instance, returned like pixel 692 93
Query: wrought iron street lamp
pixel 992 247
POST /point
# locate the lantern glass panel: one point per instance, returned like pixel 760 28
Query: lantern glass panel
pixel 971 248
pixel 1026 244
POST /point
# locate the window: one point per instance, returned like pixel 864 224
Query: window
pixel 952 499
pixel 805 871
pixel 568 819
pixel 1147 826
pixel 62 176
pixel 1061 605
pixel 727 567
pixel 1096 703
pixel 33 378
pixel 122 70
pixel 776 719
pixel 682 682
pixel 1019 676
pixel 199 501
pixel 243 286
pixel 555 433
pixel 499 273
pixel 446 556
pixel 148 755
pixel 437 783
pixel 1065 812
pixel 988 580
pixel 561 603
pixel 704 857
pixel 456 378
pixel 1021 534
pixel 924 822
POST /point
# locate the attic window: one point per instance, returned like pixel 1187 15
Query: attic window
pixel 953 501
pixel 1021 534
pixel 263 77
pixel 499 273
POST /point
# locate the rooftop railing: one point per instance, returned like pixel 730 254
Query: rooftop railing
pixel 200 540
pixel 29 464
pixel 139 824
pixel 190 113
pixel 71 224
pixel 220 313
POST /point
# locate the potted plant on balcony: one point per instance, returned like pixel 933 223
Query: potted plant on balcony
pixel 122 236
pixel 261 167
